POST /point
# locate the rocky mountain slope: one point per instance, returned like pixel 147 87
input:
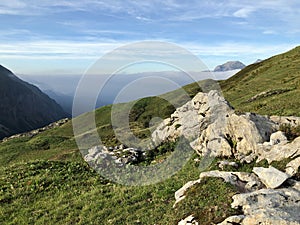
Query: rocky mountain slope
pixel 230 65
pixel 24 107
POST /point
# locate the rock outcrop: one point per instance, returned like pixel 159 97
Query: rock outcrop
pixel 212 126
pixel 266 195
pixel 33 133
pixel 121 155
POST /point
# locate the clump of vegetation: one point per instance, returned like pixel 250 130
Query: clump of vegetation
pixel 159 153
pixel 291 132
pixel 177 126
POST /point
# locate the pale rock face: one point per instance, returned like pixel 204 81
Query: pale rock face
pixel 271 177
pixel 268 206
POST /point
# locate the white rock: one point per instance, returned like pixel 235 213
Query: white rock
pixel 280 151
pixel 233 220
pixel 271 176
pixel 222 164
pixel 278 137
pixel 179 194
pixel 293 166
pixel 268 206
pixel 190 220
pixel 289 120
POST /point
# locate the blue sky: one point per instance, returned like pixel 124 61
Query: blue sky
pixel 67 36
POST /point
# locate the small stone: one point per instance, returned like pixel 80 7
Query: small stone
pixel 271 176
pixel 233 220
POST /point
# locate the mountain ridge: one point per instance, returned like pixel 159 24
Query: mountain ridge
pixel 23 106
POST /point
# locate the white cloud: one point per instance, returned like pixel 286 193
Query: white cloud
pixel 244 12
pixel 93 50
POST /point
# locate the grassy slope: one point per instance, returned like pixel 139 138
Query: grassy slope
pixel 279 73
pixel 65 191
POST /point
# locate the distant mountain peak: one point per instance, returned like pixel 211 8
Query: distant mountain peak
pixel 230 65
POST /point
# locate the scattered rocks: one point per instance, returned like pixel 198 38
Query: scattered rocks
pixel 120 155
pixel 213 129
pixel 245 182
pixel 38 131
pixel 271 177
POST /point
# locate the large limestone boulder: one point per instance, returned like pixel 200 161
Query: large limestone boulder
pixel 192 118
pixel 212 127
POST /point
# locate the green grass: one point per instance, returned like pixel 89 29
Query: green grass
pixel 209 202
pixel 52 192
pixel 279 75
